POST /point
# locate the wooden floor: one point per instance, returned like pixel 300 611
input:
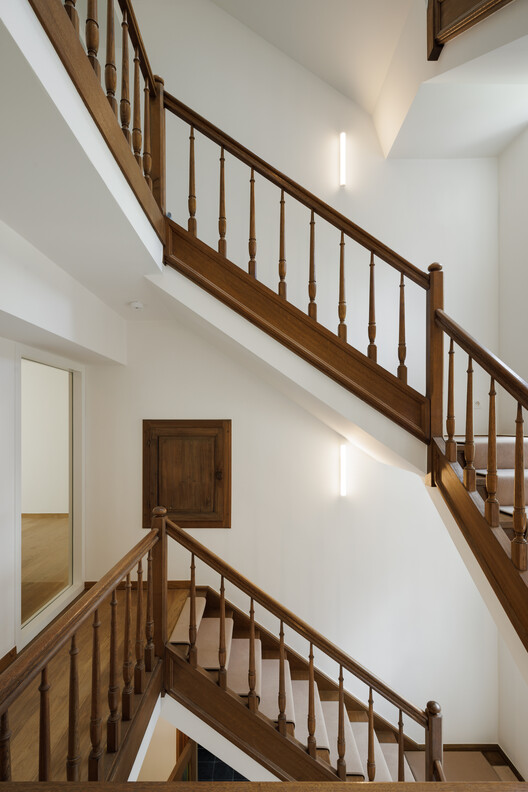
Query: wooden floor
pixel 46 560
pixel 24 713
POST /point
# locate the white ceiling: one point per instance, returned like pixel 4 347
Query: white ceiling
pixel 347 43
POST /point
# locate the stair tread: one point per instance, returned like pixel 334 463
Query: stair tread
pixel 238 666
pixel 505 451
pixel 180 634
pixel 352 758
pixel 300 701
pixel 269 704
pixel 207 642
pixel 506 484
pixel 390 752
pixel 360 730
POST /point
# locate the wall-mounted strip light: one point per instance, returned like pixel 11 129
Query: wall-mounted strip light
pixel 343 470
pixel 342 159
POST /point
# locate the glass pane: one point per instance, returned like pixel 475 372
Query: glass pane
pixel 46 498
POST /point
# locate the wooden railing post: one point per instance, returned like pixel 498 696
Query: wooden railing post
pixel 433 738
pixel 92 36
pixel 128 668
pixel 44 727
pixel 372 351
pixel 149 624
pixel 312 283
pixel 401 749
pixel 95 764
pixel 492 504
pixel 139 668
pixel 312 743
pixel 470 475
pixel 371 756
pixel 252 244
pixel 252 672
pixel 519 545
pixel 451 447
pixel 159 565
pixel 402 344
pixel 5 748
pixel 222 650
pixel 281 722
pixel 74 756
pixel 114 719
pixel 157 144
pixel 341 743
pixel 435 354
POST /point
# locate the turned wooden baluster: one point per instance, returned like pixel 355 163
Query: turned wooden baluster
pixel 402 346
pixel 401 749
pixel 149 626
pixel 112 723
pixel 222 652
pixel 282 250
pixel 342 328
pixel 451 449
pixel 312 744
pixel 139 668
pixel 136 126
pixel 371 761
pixel 222 222
pixel 95 764
pixel 110 66
pixel 44 727
pixel 470 476
pixel 70 9
pixel 191 225
pixel 74 756
pixel 312 285
pixel 372 350
pixel 252 246
pixel 492 504
pixel 193 652
pixel 282 682
pixel 124 105
pixel 128 672
pixel 147 156
pixel 341 746
pixel 5 748
pixel 92 36
pixel 252 672
pixel 518 544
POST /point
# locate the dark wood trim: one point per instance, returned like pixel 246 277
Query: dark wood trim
pixel 501 373
pixel 296 191
pixel 448 18
pixel 295 330
pixel 61 33
pixel 45 646
pixel 269 786
pixel 490 546
pixel 253 733
pixel 7 659
pixel 118 766
pixel 293 621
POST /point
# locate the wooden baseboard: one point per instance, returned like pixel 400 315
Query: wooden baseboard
pixel 7 659
pixel 47 515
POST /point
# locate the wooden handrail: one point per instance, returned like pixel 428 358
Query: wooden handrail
pixel 501 373
pixel 137 42
pixel 293 621
pixel 296 191
pixel 39 653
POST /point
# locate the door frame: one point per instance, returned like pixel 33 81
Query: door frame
pixel 25 634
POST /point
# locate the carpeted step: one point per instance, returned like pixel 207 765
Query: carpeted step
pixel 506 486
pixel 505 452
pixel 269 697
pixel 352 758
pixel 180 634
pixel 207 642
pixel 390 752
pixel 360 730
pixel 300 703
pixel 238 666
pixel 468 766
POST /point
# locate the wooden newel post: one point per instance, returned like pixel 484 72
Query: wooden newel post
pixel 435 355
pixel 433 738
pixel 159 569
pixel 157 144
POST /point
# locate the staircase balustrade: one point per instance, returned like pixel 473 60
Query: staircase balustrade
pixel 429 719
pixel 34 662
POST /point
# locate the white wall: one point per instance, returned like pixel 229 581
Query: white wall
pixel 513 709
pixel 45 445
pixel 427 210
pixel 383 581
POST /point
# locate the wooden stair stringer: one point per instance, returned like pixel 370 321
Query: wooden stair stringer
pixel 296 331
pixel 253 733
pixel 490 546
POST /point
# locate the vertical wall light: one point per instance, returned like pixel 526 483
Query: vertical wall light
pixel 343 470
pixel 342 159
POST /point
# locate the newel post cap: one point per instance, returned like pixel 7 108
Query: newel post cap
pixel 159 79
pixel 433 708
pixel 435 267
pixel 159 511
